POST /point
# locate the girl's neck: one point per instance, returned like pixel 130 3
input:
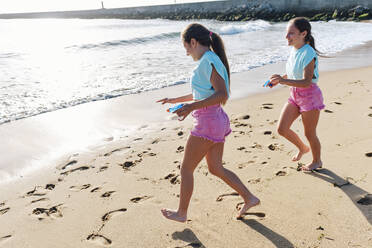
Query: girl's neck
pixel 201 51
pixel 299 46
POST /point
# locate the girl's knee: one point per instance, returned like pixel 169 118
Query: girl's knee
pixel 216 171
pixel 310 135
pixel 185 171
pixel 281 130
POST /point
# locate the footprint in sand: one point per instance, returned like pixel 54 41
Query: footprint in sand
pixel 99 239
pixel 39 200
pixel 328 111
pixel 110 214
pixel 2 204
pixel 4 211
pixel 244 117
pixel 79 188
pixel 50 186
pixel 256 145
pixel 275 147
pixel 4 239
pixel 241 125
pixel 220 197
pixel 103 168
pixel 369 154
pixel 95 189
pixel 365 200
pixel 128 164
pixel 281 173
pixel 338 103
pixel 267 106
pixel 35 192
pixel 54 212
pixel 69 164
pixel 73 170
pixel 140 198
pixel 116 150
pixel 254 181
pixel 173 178
pixel 151 154
pixel 180 149
pixel 107 194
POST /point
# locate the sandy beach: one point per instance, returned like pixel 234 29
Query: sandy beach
pixel 112 195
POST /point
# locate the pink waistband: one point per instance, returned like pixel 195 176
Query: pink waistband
pixel 311 87
pixel 209 110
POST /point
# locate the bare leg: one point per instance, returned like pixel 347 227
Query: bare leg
pixel 214 160
pixel 310 121
pixel 196 149
pixel 289 114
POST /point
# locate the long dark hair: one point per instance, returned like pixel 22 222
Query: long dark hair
pixel 207 38
pixel 303 24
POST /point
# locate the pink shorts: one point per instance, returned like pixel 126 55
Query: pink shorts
pixel 307 99
pixel 211 123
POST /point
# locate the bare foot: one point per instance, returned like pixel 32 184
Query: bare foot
pixel 312 166
pixel 300 153
pixel 253 201
pixel 173 215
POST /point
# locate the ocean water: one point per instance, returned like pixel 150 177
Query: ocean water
pixel 49 64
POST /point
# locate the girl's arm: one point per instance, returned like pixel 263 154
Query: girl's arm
pixel 303 83
pixel 185 98
pixel 220 96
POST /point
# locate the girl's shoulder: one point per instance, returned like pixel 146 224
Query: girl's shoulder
pixel 309 50
pixel 210 57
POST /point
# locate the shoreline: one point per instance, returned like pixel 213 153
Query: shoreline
pixel 42 139
pixel 125 180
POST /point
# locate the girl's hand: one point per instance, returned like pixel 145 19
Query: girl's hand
pixel 184 111
pixel 167 100
pixel 275 80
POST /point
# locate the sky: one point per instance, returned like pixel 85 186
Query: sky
pixel 20 6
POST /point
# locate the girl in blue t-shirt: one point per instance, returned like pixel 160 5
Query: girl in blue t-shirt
pixel 305 96
pixel 210 84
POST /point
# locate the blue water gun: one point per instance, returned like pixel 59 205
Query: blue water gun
pixel 267 83
pixel 173 109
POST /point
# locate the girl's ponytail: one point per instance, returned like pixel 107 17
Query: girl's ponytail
pixel 207 38
pixel 219 48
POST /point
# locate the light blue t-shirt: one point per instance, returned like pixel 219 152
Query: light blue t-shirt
pixel 201 76
pixel 298 60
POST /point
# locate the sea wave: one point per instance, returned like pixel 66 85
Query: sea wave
pixel 232 29
pixel 140 40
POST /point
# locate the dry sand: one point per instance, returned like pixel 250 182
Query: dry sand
pixel 112 197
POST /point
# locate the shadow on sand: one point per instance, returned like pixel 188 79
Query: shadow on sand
pixel 278 240
pixel 361 198
pixel 188 236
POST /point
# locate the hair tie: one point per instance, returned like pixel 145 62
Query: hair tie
pixel 210 34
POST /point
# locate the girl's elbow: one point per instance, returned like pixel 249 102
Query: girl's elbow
pixel 308 83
